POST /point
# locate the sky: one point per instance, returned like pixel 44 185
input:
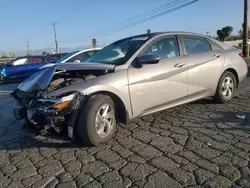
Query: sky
pixel 78 21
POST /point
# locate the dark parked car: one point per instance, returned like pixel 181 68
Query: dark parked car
pixel 22 67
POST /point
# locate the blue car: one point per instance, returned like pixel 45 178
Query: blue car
pixel 22 67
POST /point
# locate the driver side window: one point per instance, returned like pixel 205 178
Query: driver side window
pixel 164 48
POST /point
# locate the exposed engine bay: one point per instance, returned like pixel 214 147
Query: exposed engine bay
pixel 66 78
pixel 55 113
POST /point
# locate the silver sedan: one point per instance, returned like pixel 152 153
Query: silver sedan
pixel 131 77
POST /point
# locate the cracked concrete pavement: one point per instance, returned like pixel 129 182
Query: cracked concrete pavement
pixel 202 144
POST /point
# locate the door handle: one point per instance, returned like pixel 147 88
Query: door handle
pixel 216 55
pixel 179 65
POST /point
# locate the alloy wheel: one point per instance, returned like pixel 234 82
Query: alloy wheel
pixel 105 119
pixel 227 87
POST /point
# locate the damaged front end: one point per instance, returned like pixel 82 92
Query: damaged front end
pixel 47 113
pixel 55 114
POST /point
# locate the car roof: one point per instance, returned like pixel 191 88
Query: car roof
pixel 59 53
pixel 150 35
pixel 89 49
pixel 176 32
pixel 35 56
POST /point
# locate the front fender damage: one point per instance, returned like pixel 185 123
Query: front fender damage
pixel 46 120
pixel 51 99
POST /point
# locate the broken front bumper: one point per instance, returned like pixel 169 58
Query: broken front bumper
pixel 47 120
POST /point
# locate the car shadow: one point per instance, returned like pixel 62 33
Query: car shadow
pixel 205 101
pixel 24 139
pixel 220 120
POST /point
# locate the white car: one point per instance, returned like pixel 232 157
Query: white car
pixel 74 57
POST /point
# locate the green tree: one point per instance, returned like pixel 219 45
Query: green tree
pixel 224 33
pixel 240 33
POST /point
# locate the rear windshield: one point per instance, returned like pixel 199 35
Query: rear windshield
pixel 65 57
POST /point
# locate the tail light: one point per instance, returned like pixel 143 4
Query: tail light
pixel 241 55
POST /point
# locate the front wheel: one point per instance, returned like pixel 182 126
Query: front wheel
pixel 226 88
pixel 97 120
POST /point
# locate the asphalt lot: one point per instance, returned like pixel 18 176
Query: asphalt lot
pixel 195 145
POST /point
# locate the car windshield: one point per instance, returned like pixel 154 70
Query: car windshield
pixel 118 52
pixel 10 62
pixel 65 57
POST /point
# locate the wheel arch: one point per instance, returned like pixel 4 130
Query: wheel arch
pixel 121 111
pixel 232 70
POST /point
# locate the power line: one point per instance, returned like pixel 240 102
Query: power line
pixel 133 18
pixel 78 5
pixel 174 7
pixel 145 19
pixel 82 4
pixel 126 21
pixel 71 13
pixel 49 47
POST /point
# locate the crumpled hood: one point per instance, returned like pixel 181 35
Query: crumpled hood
pixel 84 66
pixel 41 79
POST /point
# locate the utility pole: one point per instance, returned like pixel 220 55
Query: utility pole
pixel 28 47
pixel 245 29
pixel 57 47
pixel 94 43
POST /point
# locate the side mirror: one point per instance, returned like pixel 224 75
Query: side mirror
pixel 77 61
pixel 149 59
pixel 8 64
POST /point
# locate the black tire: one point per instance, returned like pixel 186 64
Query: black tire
pixel 219 97
pixel 86 121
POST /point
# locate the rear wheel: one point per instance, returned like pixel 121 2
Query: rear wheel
pixel 226 87
pixel 97 120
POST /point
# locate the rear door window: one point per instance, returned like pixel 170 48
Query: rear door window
pixel 35 60
pixel 195 45
pixel 214 46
